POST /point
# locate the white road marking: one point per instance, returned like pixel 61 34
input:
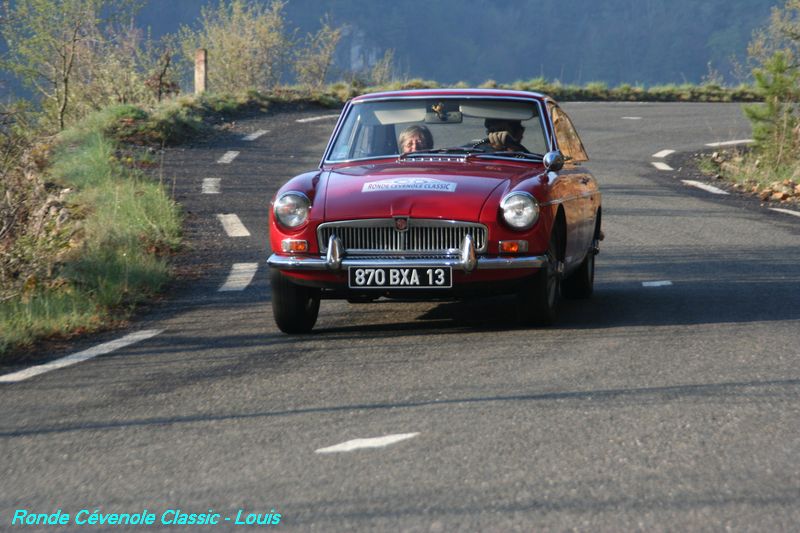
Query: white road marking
pixel 705 187
pixel 785 211
pixel 730 143
pixel 240 277
pixel 228 157
pixel 255 135
pixel 656 283
pixel 79 357
pixel 631 118
pixel 314 119
pixel 663 153
pixel 233 226
pixel 661 166
pixel 211 185
pixel 358 444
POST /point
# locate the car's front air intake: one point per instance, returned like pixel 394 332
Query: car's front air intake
pixel 402 236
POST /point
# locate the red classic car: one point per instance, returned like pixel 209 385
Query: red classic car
pixel 437 194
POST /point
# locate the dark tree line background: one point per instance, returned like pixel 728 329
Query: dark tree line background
pixel 574 41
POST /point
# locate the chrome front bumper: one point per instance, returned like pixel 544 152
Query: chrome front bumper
pixel 335 260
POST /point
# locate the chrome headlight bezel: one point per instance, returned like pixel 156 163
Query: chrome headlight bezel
pixel 520 210
pixel 291 209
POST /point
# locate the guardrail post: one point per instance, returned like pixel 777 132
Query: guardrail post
pixel 200 70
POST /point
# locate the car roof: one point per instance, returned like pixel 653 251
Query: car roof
pixel 418 93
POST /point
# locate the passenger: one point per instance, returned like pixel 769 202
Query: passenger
pixel 505 135
pixel 415 138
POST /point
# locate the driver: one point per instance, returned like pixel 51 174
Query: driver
pixel 415 138
pixel 505 135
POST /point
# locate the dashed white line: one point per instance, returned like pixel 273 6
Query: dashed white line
pixel 314 119
pixel 79 357
pixel 255 135
pixel 240 277
pixel 663 153
pixel 359 444
pixel 661 166
pixel 228 157
pixel 211 185
pixel 730 143
pixel 233 226
pixel 631 118
pixel 664 283
pixel 705 187
pixel 785 211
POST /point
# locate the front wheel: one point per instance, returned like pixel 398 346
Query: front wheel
pixel 294 307
pixel 580 284
pixel 537 301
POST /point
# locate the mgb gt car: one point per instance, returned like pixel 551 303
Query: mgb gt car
pixel 434 194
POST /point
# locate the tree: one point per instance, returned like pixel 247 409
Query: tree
pixel 313 62
pixel 776 53
pixel 246 42
pixel 52 43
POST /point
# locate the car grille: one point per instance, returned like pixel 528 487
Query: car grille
pixel 423 236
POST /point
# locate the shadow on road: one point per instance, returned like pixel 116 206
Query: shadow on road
pixel 725 393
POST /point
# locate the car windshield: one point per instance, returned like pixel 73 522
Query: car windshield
pixel 413 127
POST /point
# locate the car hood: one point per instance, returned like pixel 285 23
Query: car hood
pixel 427 190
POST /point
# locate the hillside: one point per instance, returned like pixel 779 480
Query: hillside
pixel 615 41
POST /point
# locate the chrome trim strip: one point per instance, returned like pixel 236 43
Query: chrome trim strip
pixel 568 199
pixel 536 97
pixel 457 263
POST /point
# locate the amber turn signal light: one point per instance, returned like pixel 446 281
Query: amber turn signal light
pixel 294 246
pixel 513 247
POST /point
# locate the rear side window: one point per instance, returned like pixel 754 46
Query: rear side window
pixel 568 141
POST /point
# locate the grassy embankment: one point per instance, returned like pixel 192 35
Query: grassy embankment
pixel 595 91
pixel 748 173
pixel 113 249
pixel 107 253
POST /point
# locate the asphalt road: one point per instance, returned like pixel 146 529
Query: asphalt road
pixel 674 407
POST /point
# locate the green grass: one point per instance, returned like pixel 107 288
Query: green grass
pixel 129 226
pixel 749 173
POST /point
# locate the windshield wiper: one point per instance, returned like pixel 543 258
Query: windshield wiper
pixel 458 151
pixel 516 155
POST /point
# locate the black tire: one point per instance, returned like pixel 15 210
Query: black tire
pixel 537 301
pixel 580 284
pixel 294 307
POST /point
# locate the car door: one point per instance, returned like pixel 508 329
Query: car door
pixel 582 187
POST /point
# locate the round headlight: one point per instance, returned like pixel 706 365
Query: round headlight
pixel 292 208
pixel 520 210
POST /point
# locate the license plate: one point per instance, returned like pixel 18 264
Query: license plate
pixel 400 277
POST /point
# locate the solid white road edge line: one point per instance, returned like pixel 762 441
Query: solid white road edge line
pixel 661 166
pixel 656 283
pixel 79 357
pixel 211 185
pixel 240 276
pixel 255 135
pixel 707 188
pixel 358 444
pixel 314 119
pixel 785 211
pixel 228 157
pixel 663 153
pixel 233 226
pixel 730 143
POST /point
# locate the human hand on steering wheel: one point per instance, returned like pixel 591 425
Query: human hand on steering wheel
pixel 502 140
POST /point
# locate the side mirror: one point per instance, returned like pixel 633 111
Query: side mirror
pixel 553 161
